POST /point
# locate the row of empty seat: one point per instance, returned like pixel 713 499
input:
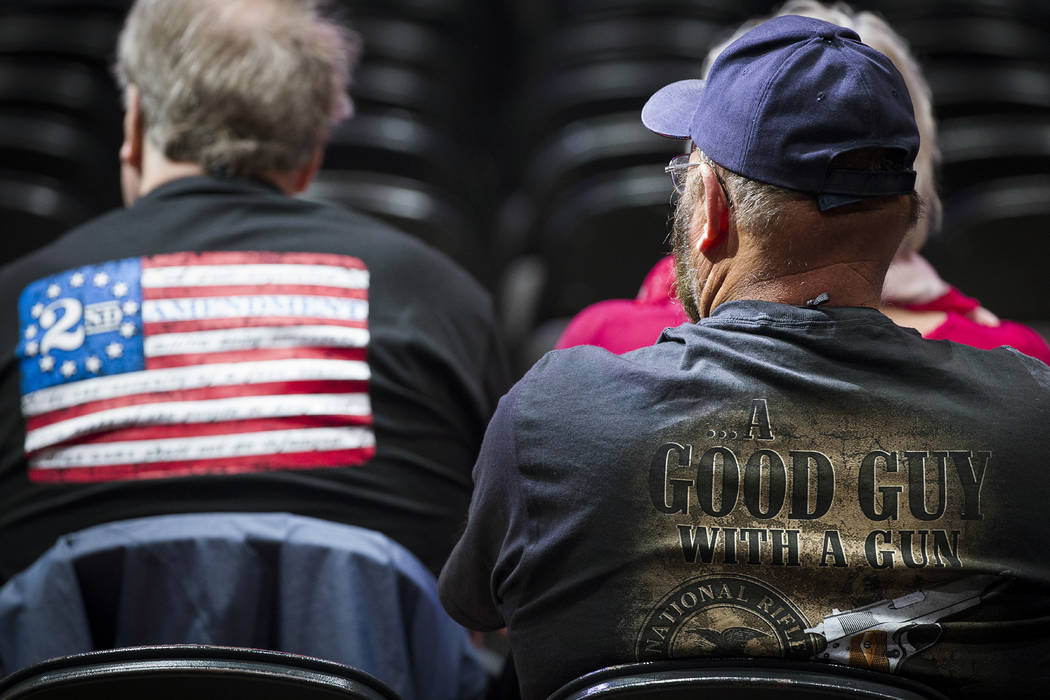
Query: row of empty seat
pixel 415 152
pixel 507 134
pixel 60 118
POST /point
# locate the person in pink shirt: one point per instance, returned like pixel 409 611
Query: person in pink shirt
pixel 913 295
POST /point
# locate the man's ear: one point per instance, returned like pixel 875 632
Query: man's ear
pixel 305 175
pixel 132 146
pixel 715 223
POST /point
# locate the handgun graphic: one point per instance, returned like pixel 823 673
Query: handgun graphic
pixel 880 636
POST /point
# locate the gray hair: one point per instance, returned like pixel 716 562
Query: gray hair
pixel 768 209
pixel 239 87
pixel 759 202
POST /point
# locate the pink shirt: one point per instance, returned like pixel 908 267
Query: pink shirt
pixel 960 328
pixel 620 325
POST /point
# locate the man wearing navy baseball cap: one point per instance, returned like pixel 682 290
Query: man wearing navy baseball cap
pixel 799 120
pixel 791 474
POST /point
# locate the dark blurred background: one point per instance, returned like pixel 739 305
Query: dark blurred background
pixel 506 133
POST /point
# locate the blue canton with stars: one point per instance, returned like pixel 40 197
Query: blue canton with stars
pixel 82 323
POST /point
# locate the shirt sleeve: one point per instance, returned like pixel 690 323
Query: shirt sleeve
pixel 952 300
pixel 496 532
pixel 496 374
pixel 963 330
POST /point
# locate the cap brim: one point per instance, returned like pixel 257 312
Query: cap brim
pixel 669 112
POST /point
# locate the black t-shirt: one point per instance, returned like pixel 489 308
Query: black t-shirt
pixel 815 483
pixel 220 346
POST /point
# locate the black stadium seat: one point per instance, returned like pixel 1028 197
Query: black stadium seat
pixel 590 90
pixel 590 147
pixel 603 236
pixel 58 147
pixel 963 36
pixel 993 244
pixel 970 88
pixel 170 672
pixel 68 88
pixel 988 147
pixel 416 207
pixel 88 36
pixel 741 679
pixel 622 39
pixel 35 211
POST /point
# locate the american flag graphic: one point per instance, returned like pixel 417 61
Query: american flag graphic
pixel 196 363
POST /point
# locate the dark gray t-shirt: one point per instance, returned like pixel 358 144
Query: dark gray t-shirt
pixel 777 481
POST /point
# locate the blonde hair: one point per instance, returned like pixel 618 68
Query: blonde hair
pixel 239 87
pixel 875 32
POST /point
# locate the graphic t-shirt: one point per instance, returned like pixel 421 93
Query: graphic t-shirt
pixel 222 347
pixel 813 483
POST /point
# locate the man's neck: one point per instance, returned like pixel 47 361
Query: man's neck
pixel 152 179
pixel 158 170
pixel 854 283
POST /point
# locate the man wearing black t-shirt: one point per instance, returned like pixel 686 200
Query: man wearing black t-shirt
pixel 219 345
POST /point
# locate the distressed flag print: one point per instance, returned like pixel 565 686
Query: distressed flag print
pixel 196 363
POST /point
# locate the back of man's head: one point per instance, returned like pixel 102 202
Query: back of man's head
pixel 813 137
pixel 877 33
pixel 237 87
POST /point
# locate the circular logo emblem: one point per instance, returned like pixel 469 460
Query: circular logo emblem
pixel 725 615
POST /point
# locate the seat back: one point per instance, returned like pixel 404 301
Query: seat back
pixel 191 671
pixel 741 679
pixel 262 580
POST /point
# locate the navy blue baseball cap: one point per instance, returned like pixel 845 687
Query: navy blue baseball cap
pixel 786 98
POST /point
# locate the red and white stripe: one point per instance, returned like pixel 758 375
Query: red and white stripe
pixel 253 362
